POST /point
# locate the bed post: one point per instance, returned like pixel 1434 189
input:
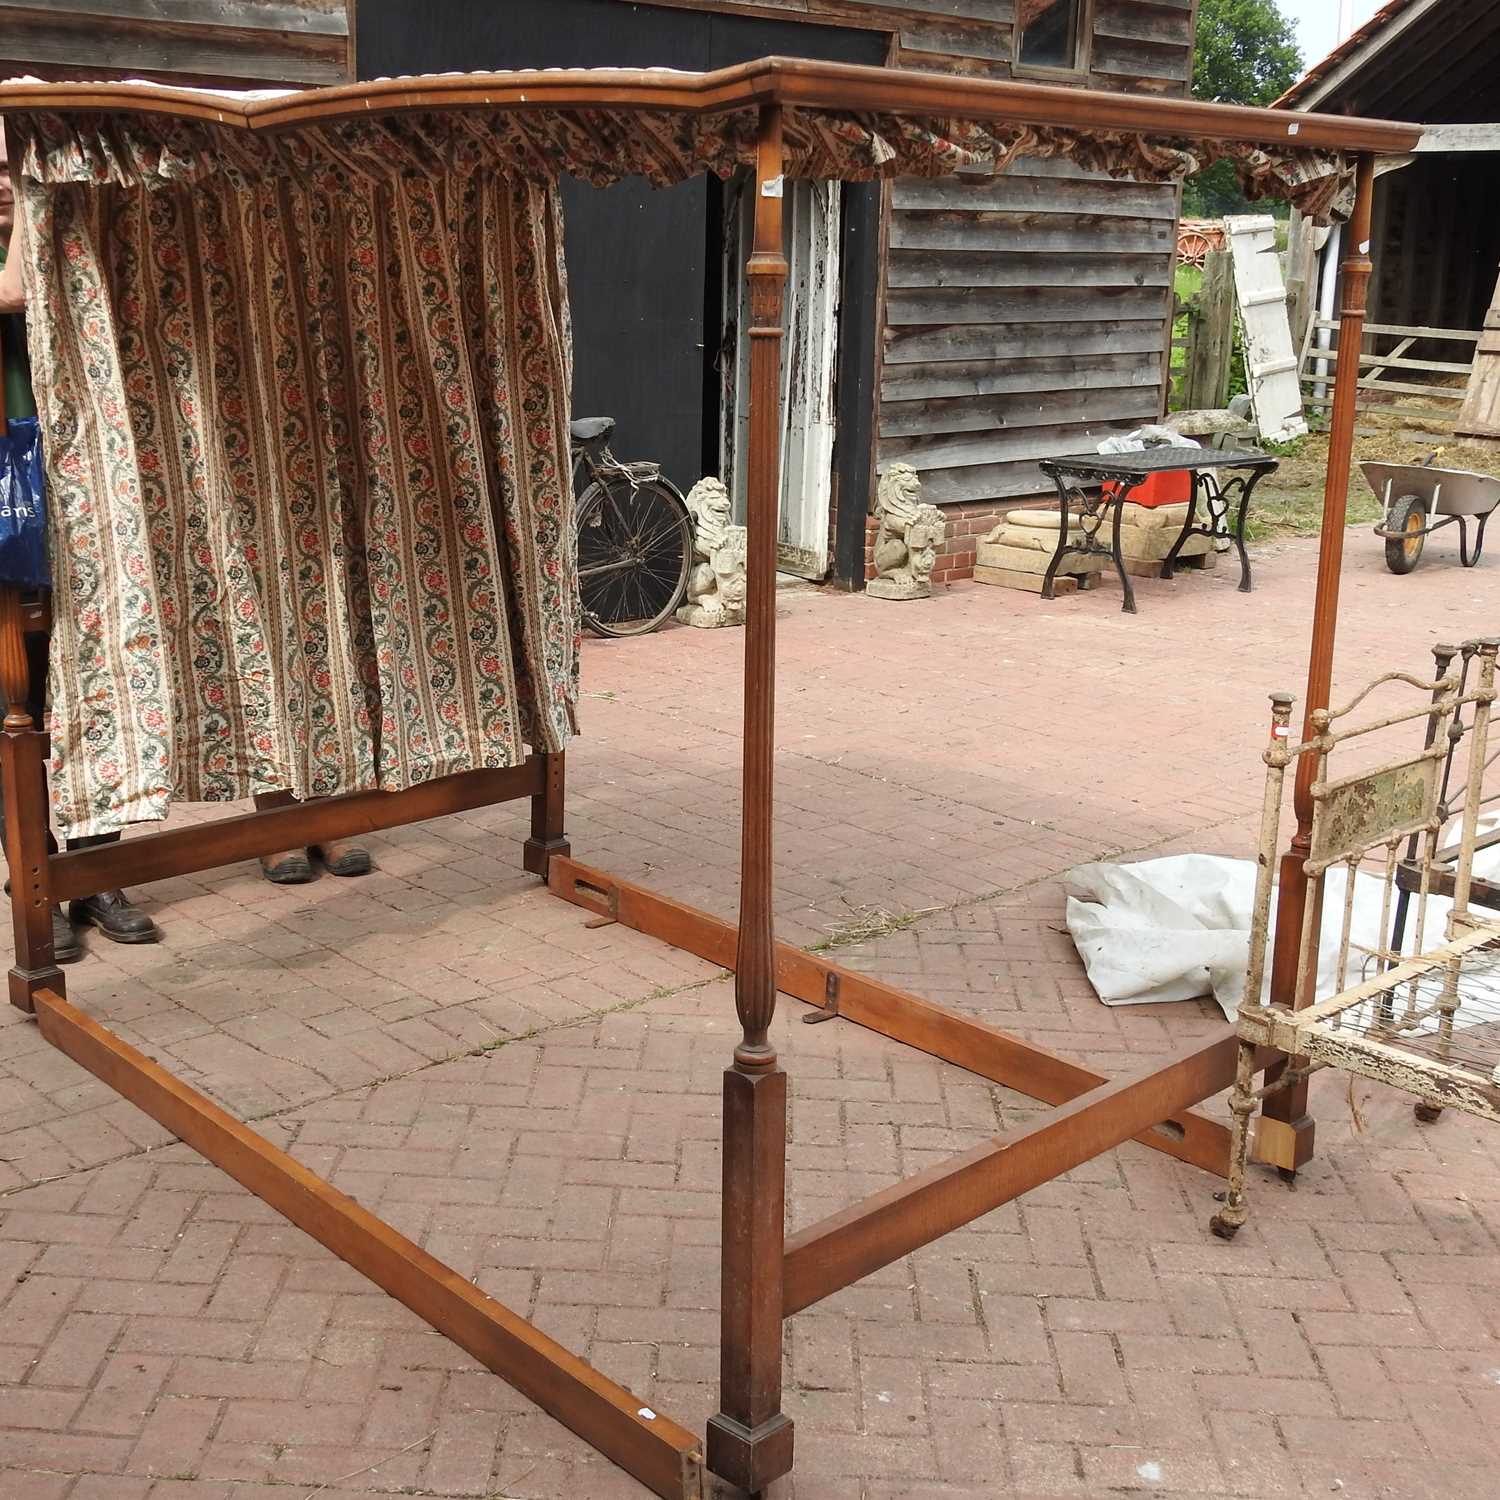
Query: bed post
pixel 23 784
pixel 750 1438
pixel 1284 1137
pixel 548 836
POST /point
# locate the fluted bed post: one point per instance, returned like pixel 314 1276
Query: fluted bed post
pixel 1285 1135
pixel 750 1438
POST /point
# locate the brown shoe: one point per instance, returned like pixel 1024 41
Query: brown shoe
pixel 340 857
pixel 292 867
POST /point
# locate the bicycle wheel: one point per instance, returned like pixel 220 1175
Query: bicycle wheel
pixel 635 550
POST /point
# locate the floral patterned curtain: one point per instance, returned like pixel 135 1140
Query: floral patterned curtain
pixel 305 397
pixel 307 443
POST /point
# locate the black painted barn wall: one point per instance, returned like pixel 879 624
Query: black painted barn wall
pixel 639 259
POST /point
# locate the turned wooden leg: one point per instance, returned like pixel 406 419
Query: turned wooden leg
pixel 750 1438
pixel 23 785
pixel 547 833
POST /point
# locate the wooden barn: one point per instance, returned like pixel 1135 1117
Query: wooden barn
pixel 1437 213
pixel 969 327
pixel 227 43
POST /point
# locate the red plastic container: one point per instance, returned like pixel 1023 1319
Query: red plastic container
pixel 1170 487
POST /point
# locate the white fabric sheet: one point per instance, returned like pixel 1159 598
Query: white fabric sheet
pixel 1179 928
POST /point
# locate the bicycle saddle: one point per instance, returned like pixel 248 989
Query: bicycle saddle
pixel 591 429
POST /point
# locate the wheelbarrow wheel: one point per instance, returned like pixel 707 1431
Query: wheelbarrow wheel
pixel 1408 514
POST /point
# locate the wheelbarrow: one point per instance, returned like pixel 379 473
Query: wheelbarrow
pixel 1420 499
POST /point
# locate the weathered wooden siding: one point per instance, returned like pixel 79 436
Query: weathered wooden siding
pixel 1028 313
pixel 232 42
pixel 1138 45
pixel 1025 314
pixel 1437 228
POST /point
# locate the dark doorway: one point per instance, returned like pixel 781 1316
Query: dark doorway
pixel 639 258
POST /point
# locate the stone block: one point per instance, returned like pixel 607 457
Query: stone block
pixel 1030 560
pixel 1015 578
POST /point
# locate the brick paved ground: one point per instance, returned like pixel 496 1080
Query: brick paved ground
pixel 537 1102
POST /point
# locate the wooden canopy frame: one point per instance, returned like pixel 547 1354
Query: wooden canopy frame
pixel 766 1275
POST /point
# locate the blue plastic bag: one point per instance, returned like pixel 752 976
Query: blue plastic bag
pixel 23 513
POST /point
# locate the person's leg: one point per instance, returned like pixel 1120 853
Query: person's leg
pixel 295 866
pixel 112 912
pixel 291 866
pixel 343 857
pixel 115 915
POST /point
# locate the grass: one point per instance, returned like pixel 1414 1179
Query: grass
pixel 1290 502
pixel 1300 512
pixel 1188 282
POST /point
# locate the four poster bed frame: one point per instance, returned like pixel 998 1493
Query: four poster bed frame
pixel 767 1276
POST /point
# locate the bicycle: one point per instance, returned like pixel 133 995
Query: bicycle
pixel 635 536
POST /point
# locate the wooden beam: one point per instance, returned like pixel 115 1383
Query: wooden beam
pixel 934 1029
pixel 1455 138
pixel 1480 414
pixel 857 1240
pixel 206 846
pixel 662 1455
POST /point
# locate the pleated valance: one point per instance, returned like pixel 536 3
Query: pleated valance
pixel 600 146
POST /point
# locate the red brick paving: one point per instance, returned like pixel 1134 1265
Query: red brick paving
pixel 164 1336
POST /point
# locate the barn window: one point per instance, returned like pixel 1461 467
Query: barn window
pixel 1048 33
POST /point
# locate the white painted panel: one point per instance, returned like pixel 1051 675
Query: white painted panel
pixel 808 364
pixel 1270 360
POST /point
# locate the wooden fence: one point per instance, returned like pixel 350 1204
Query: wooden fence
pixel 1426 390
pixel 1200 377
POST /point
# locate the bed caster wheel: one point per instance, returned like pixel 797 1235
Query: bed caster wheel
pixel 1428 1114
pixel 1224 1228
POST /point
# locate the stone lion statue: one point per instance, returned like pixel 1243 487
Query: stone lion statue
pixel 717 584
pixel 908 536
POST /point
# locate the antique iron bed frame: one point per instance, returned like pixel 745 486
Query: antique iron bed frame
pixel 766 1276
pixel 1395 1016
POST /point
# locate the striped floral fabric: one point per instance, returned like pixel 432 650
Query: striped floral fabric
pixel 305 398
pixel 307 438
